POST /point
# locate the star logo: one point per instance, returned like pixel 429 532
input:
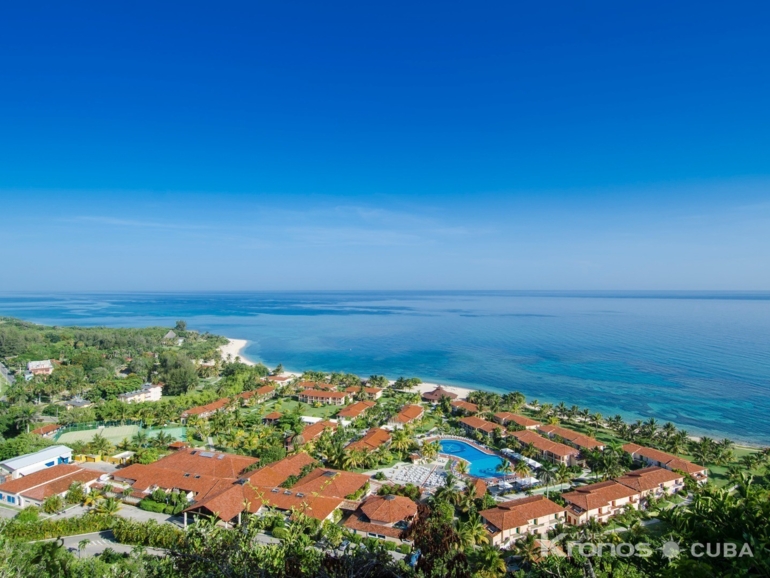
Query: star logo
pixel 670 549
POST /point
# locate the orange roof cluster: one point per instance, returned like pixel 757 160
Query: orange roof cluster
pixel 356 409
pixel 465 406
pixel 221 403
pixel 144 478
pixel 520 513
pixel 373 439
pixel 480 424
pixel 479 488
pixel 48 482
pixel 599 495
pixel 505 416
pixel 278 472
pixel 197 461
pixel 315 385
pixel 573 437
pixel 670 461
pixel 312 431
pixel 648 478
pixel 409 413
pixel 389 509
pixel 544 445
pixel 273 415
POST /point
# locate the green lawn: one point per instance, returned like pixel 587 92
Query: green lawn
pixel 286 405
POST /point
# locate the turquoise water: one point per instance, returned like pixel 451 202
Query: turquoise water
pixel 701 360
pixel 480 465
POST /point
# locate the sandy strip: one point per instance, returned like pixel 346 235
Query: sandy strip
pixel 234 348
pixel 461 392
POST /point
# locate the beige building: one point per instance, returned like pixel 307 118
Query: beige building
pixel 511 521
pixel 599 501
pixel 653 457
pixel 149 392
pixel 653 481
pixel 324 397
pixel 384 517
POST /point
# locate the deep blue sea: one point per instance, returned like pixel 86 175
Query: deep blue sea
pixel 700 360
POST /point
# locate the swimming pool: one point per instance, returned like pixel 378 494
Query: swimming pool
pixel 480 464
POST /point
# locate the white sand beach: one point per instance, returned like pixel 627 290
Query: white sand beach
pixel 234 348
pixel 462 392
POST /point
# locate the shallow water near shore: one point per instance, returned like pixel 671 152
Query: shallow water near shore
pixel 701 360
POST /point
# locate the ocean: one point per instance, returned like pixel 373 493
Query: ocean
pixel 700 360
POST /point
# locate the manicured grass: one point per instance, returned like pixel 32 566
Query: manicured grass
pixel 285 405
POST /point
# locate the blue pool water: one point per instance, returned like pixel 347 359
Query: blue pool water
pixel 481 465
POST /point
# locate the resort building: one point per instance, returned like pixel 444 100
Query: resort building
pixel 438 394
pixel 653 457
pixel 333 484
pixel 32 490
pixel 476 424
pixel 364 392
pixel 548 450
pixel 260 490
pixel 511 521
pixel 47 431
pixel 77 402
pixel 30 463
pixel 373 439
pixel 356 409
pixel 148 392
pixel 316 385
pixel 384 517
pixel 572 438
pixel 44 367
pixel 653 481
pixel 311 432
pixel 324 397
pixel 599 501
pixel 408 414
pixel 461 407
pixel 506 417
pixel 272 418
pixel 258 395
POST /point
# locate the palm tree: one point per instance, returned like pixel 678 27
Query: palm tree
pixel 522 469
pixel 547 475
pixel 473 532
pixel 505 468
pixel 108 506
pixel 25 414
pixel 82 546
pixel 100 445
pixel 488 562
pixel 462 467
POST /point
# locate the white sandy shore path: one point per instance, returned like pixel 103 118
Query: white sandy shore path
pixel 234 348
pixel 461 392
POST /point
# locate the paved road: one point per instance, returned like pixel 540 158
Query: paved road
pixel 99 542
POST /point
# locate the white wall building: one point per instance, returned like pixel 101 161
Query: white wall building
pixel 31 463
pixel 149 392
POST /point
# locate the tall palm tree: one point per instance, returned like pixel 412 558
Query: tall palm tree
pixel 522 469
pixel 473 532
pixel 488 562
pixel 505 468
pixel 547 475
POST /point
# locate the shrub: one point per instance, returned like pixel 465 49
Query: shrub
pixel 28 514
pixel 280 533
pixel 150 534
pixel 405 549
pixel 45 529
pixel 379 476
pixel 152 506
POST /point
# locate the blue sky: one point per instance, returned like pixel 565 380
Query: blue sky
pixel 351 146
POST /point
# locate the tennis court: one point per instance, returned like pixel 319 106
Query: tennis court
pixel 115 434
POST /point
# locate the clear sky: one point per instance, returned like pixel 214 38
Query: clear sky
pixel 414 145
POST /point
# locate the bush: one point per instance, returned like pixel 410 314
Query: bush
pixel 405 549
pixel 379 476
pixel 150 534
pixel 28 514
pixel 388 545
pixel 45 529
pixel 280 533
pixel 152 506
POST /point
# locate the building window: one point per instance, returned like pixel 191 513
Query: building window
pixel 49 464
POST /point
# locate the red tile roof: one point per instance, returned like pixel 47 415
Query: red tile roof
pixel 331 483
pixel 278 472
pixel 373 391
pixel 358 521
pixel 438 393
pixel 669 460
pixel 197 461
pixel 599 495
pixel 46 429
pixel 506 416
pixel 314 430
pixel 409 413
pixel 481 424
pixel 45 476
pixel 389 509
pixel 354 410
pixel 580 440
pixel 318 394
pixel 373 439
pixel 519 513
pixel 543 444
pixel 465 406
pixel 648 478
pixel 272 416
pixel 61 485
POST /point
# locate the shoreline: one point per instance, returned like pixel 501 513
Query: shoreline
pixel 234 348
